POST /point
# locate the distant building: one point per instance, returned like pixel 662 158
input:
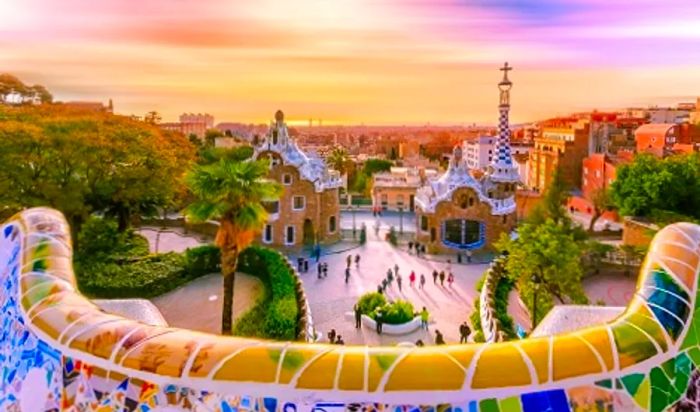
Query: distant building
pixel 308 210
pixel 190 123
pixel 409 149
pixel 457 212
pixel 479 152
pixel 91 106
pixel 656 138
pixel 396 189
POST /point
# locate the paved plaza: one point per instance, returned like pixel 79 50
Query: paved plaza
pixel 331 299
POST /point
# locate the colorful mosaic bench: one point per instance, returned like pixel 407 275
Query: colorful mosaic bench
pixel 60 352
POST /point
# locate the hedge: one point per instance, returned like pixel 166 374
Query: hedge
pixel 394 313
pixel 275 314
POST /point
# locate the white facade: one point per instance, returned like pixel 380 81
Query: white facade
pixel 478 153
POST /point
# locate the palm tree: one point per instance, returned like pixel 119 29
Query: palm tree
pixel 233 194
pixel 338 159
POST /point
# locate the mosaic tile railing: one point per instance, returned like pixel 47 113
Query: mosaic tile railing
pixel 60 352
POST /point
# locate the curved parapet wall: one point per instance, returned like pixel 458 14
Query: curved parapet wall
pixel 59 351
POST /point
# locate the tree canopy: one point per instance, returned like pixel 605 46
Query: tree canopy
pixel 659 188
pixel 82 162
pixel 13 90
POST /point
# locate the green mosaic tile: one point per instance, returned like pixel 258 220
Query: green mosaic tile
pixel 632 382
pixel 642 395
pixel 488 405
pixel 511 404
pixel 660 387
pixel 607 383
pixel 682 373
pixel 694 354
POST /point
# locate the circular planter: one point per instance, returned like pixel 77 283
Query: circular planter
pixel 389 329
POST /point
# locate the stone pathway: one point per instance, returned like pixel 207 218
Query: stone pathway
pixel 168 240
pixel 197 305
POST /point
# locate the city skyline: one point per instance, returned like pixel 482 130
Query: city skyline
pixel 356 62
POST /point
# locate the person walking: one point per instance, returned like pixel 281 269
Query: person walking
pixel 384 284
pixel 325 269
pixel 319 268
pixel 422 281
pixel 469 256
pixel 390 277
pixel 435 276
pixel 380 289
pixel 357 261
pixel 398 281
pixel 317 252
pixel 347 275
pixel 412 278
pixel 420 343
pixel 442 278
pixel 462 333
pixel 424 316
pixel 410 246
pixel 396 269
pixel 450 279
pixel 349 260
pixel 358 316
pixel 331 336
pixel 339 341
pixel 439 339
pixel 417 247
pixel 379 321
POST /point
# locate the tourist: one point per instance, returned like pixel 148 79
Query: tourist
pixel 424 316
pixel 300 264
pixel 469 256
pixel 396 269
pixel 306 265
pixel 385 282
pixel 347 275
pixel 410 246
pixel 435 276
pixel 422 281
pixel 412 278
pixel 464 332
pixel 398 281
pixel 357 261
pixel 390 277
pixel 339 341
pixel 422 249
pixel 317 251
pixel 416 246
pixel 420 343
pixel 442 278
pixel 439 339
pixel 380 289
pixel 378 320
pixel 358 316
pixel 319 268
pixel 331 336
pixel 325 269
pixel 450 279
pixel 349 260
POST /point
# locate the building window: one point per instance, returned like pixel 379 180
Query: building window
pixel 505 219
pixel 289 235
pixel 298 203
pixel 267 234
pixel 399 200
pixel 471 201
pixel 272 207
pixel 585 170
pixel 424 223
pixel 463 234
pixel 384 199
pixel 331 224
pixel 287 179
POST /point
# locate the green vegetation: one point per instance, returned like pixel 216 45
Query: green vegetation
pixel 339 160
pixel 115 264
pixel 475 319
pixel 391 236
pixel 10 85
pixel 393 313
pixel 209 154
pixel 500 296
pixel 362 181
pixel 84 162
pixel 662 190
pixel 275 314
pixel 232 193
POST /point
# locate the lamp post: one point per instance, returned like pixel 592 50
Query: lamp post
pixel 354 227
pixel 401 220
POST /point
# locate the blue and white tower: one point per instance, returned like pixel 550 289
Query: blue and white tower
pixel 503 169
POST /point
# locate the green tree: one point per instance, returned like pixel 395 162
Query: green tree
pixel 152 117
pixel 231 193
pixel 210 136
pixel 81 162
pixel 373 166
pixel 601 203
pixel 652 187
pixel 545 263
pixel 338 159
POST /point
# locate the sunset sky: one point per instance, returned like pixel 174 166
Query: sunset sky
pixel 356 61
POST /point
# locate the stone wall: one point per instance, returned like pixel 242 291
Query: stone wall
pixel 452 209
pixel 637 233
pixel 490 325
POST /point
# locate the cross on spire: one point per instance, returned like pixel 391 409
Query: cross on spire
pixel 505 69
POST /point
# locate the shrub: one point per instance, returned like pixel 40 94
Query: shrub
pixel 370 301
pixel 396 313
pixel 203 260
pixel 100 239
pixel 275 315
